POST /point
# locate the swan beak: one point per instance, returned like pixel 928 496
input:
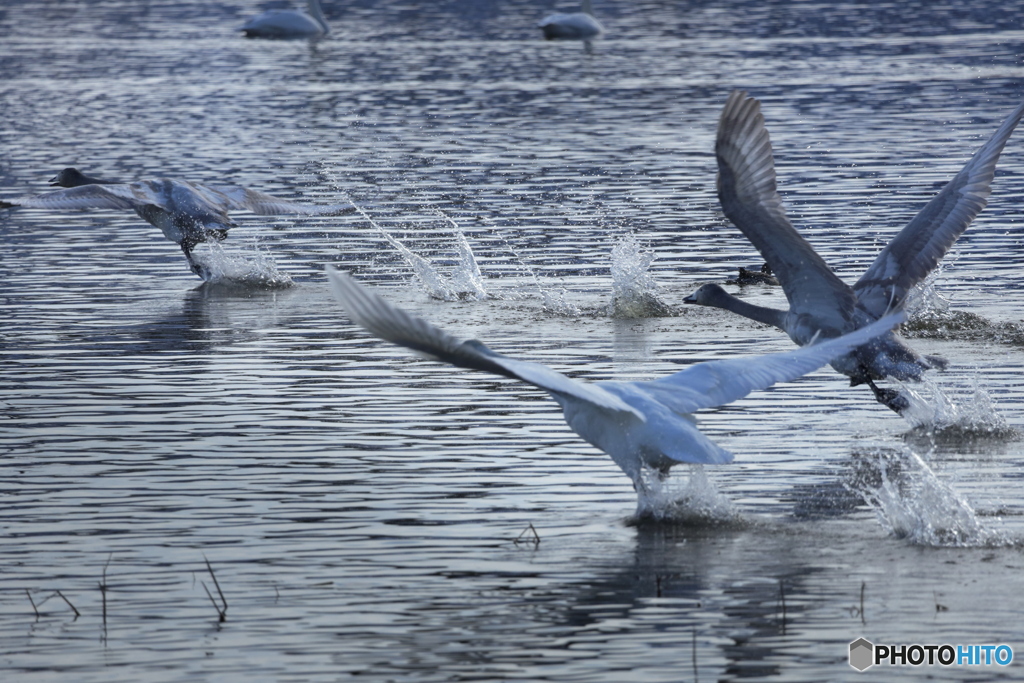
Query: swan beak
pixel 54 181
pixel 690 299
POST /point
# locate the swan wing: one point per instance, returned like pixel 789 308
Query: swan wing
pixel 82 197
pixel 919 247
pixel 749 198
pixel 395 325
pixel 717 383
pixel 233 197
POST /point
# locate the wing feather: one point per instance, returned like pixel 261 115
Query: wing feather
pixel 395 325
pixel 716 383
pixel 919 247
pixel 750 199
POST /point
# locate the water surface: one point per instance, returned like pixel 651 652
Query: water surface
pixel 360 507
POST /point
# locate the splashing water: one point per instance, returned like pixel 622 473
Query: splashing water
pixel 912 503
pixel 465 282
pixel 553 301
pixel 633 288
pixel 254 269
pixel 933 410
pixel 697 501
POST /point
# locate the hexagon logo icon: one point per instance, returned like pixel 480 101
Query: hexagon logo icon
pixel 862 654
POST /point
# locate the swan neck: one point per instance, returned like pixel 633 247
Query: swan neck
pixel 762 314
pixel 318 14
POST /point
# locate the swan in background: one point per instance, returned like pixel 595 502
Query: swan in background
pixel 187 213
pixel 641 425
pixel 574 26
pixel 288 23
pixel 819 302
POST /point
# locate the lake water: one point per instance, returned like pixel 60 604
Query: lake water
pixel 361 507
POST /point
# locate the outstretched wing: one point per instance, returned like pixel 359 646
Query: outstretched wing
pixel 716 383
pixel 232 197
pixel 919 247
pixel 749 198
pixel 395 325
pixel 82 197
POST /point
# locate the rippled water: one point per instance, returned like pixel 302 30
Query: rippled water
pixel 369 513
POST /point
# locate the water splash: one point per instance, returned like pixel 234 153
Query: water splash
pixel 634 293
pixel 465 282
pixel 930 316
pixel 253 269
pixel 697 501
pixel 554 301
pixel 912 503
pixel 932 410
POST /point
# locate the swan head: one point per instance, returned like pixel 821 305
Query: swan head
pixel 69 177
pixel 708 295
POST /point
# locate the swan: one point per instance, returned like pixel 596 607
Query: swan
pixel 187 213
pixel 288 23
pixel 639 424
pixel 574 26
pixel 819 302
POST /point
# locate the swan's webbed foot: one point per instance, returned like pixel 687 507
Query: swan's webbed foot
pixel 890 398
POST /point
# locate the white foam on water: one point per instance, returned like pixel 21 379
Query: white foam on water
pixel 634 292
pixel 693 500
pixel 933 409
pixel 252 268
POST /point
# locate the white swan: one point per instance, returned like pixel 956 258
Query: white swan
pixel 819 302
pixel 574 26
pixel 288 23
pixel 187 213
pixel 638 424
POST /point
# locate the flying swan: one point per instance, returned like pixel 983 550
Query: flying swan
pixel 641 425
pixel 819 302
pixel 288 23
pixel 187 213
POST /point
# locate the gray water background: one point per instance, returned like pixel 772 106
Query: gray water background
pixel 360 506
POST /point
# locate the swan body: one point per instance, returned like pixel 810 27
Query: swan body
pixel 186 213
pixel 639 424
pixel 819 302
pixel 573 26
pixel 288 23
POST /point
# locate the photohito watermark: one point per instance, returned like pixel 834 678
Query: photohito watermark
pixel 864 654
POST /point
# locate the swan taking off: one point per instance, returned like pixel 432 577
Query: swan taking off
pixel 187 213
pixel 641 425
pixel 819 302
pixel 288 23
pixel 574 26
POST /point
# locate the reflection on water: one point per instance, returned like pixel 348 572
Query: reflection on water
pixel 359 506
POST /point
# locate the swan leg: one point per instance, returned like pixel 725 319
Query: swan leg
pixel 890 398
pixel 196 267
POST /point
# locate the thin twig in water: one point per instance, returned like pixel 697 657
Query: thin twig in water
pixel 73 608
pixel 103 595
pixel 536 537
pixel 34 608
pixel 862 586
pixel 221 613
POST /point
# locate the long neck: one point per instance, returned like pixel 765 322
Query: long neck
pixel 314 9
pixel 762 314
